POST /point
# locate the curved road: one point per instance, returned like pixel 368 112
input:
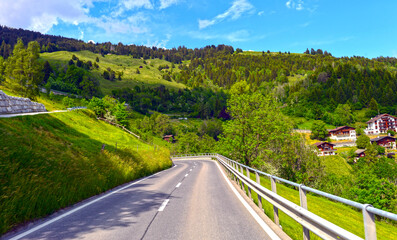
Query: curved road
pixel 192 200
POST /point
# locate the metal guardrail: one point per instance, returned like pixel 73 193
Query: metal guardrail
pixel 76 108
pixel 308 220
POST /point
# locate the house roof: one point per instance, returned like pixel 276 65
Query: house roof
pixel 321 143
pixel 339 128
pixel 168 136
pixel 379 116
pixel 359 151
pixel 381 138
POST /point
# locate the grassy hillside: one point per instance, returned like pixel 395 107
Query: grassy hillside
pixel 54 160
pixel 149 73
pixel 339 214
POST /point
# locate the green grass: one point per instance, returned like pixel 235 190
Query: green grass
pixel 336 165
pixel 51 161
pixel 337 213
pixel 149 73
pixel 303 123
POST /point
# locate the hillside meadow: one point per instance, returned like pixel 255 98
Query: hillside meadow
pixel 149 74
pixel 54 160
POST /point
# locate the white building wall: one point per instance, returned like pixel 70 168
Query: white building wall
pixel 351 136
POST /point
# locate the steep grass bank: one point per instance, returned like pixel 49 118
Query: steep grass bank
pixel 337 213
pixel 51 161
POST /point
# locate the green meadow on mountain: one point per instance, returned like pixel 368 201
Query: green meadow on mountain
pixel 268 110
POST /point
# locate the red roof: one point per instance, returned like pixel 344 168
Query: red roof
pixel 380 116
pixel 381 138
pixel 339 128
pixel 321 143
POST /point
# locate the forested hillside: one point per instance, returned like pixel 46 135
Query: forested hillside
pixel 50 43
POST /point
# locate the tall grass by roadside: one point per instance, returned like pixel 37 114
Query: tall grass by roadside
pixel 51 161
pixel 337 213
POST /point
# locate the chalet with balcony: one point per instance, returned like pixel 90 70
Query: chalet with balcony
pixel 343 133
pixel 380 124
pixel 325 149
pixel 385 141
pixel 360 153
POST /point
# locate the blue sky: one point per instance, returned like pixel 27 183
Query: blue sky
pixel 344 28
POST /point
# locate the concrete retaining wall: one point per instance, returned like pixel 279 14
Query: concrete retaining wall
pixel 11 105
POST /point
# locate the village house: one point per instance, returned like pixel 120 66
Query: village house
pixel 325 149
pixel 169 138
pixel 343 133
pixel 385 141
pixel 359 153
pixel 380 124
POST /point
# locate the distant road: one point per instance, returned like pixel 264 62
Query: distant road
pixel 189 201
pixel 26 114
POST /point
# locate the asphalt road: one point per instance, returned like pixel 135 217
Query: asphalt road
pixel 189 201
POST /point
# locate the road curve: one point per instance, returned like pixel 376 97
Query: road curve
pixel 192 200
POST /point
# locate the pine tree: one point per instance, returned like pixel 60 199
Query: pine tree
pixel 24 71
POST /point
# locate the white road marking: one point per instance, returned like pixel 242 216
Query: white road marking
pixel 178 185
pixel 191 169
pixel 19 236
pixel 163 205
pixel 258 219
pixel 186 175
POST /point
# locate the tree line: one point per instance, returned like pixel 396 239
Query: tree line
pixel 50 43
pixel 197 102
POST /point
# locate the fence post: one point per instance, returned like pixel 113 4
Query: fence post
pixel 275 209
pixel 258 180
pixel 369 223
pixel 242 172
pixel 303 203
pixel 234 176
pixel 248 176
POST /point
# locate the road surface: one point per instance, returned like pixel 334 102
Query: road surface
pixel 192 200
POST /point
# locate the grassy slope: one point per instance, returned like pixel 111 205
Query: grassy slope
pixel 336 165
pixel 337 213
pixel 54 160
pixel 149 75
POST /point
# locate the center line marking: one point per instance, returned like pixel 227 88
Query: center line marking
pixel 163 205
pixel 186 175
pixel 179 184
pixel 191 169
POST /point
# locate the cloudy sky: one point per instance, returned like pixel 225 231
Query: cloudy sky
pixel 344 28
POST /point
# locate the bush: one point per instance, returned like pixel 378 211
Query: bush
pixel 362 141
pixel 68 102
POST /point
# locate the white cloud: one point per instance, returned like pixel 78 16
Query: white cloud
pixel 41 15
pixel 126 5
pixel 81 35
pixel 261 13
pixel 157 43
pixel 295 4
pixel 134 24
pixel 234 12
pixel 167 3
pixel 131 4
pixel 237 36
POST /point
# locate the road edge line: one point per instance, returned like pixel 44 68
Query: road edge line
pixel 257 218
pixel 40 226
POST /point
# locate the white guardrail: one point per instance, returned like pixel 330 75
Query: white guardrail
pixel 309 221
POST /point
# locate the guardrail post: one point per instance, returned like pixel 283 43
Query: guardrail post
pixel 369 223
pixel 234 166
pixel 303 201
pixel 242 172
pixel 275 210
pixel 248 176
pixel 258 180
